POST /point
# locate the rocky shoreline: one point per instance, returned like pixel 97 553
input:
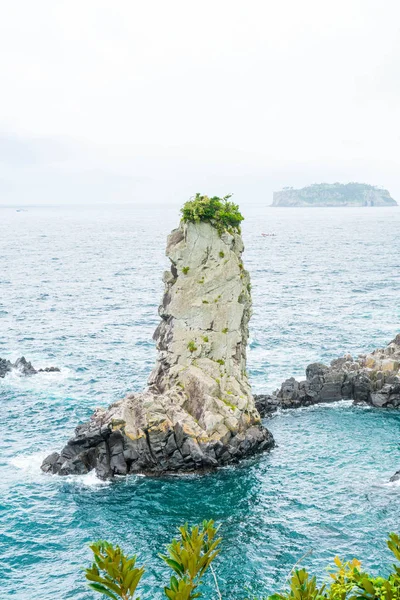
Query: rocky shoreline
pixel 198 411
pixel 103 444
pixel 372 378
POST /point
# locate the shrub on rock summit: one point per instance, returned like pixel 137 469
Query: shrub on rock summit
pixel 220 212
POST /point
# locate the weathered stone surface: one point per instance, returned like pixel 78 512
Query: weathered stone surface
pixel 370 378
pixel 198 411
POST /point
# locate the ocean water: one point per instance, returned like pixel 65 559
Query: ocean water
pixel 79 289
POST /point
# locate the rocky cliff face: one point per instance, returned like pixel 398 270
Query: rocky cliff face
pixel 370 378
pixel 334 194
pixel 198 411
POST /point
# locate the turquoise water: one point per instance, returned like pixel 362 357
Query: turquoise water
pixel 80 288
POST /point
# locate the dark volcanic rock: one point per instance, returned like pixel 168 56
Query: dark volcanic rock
pixel 361 388
pixel 371 378
pixel 5 367
pixel 396 477
pixel 266 404
pixel 23 366
pixel 50 465
pixel 110 451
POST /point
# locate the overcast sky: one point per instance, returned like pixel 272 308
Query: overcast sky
pixel 142 100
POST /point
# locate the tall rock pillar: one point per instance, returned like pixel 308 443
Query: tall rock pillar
pixel 198 411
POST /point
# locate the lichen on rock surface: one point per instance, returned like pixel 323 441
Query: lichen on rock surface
pixel 198 411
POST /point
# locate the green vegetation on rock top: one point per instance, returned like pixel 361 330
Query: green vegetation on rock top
pixel 220 212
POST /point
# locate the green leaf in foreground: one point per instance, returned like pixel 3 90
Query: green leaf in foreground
pixel 113 573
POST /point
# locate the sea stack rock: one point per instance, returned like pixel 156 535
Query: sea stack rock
pixel 198 411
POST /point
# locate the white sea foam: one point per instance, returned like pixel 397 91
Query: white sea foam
pixel 28 463
pixel 336 404
pixel 88 480
pixel 17 379
pixel 392 483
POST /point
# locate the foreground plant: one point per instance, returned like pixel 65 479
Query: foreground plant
pixel 189 556
pixel 349 582
pixel 113 574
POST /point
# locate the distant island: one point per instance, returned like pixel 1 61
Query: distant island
pixel 334 194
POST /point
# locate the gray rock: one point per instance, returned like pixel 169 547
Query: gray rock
pixel 23 366
pixel 266 404
pixel 51 463
pixel 395 477
pixel 388 396
pixel 5 367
